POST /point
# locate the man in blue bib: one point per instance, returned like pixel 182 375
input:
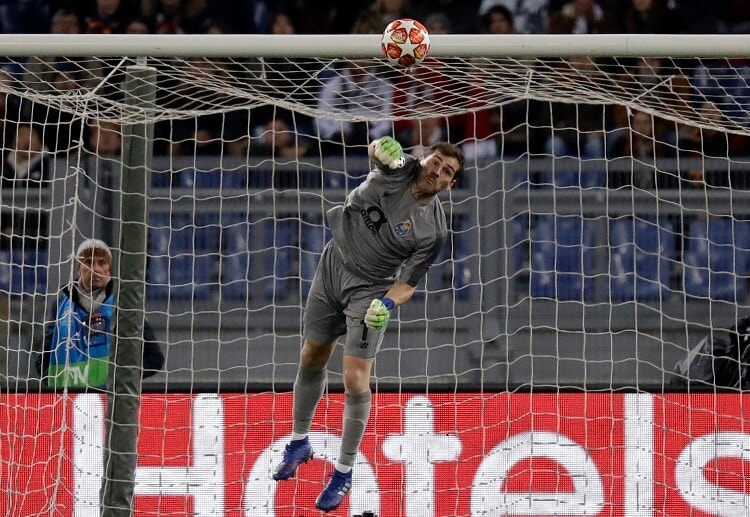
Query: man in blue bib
pixel 79 335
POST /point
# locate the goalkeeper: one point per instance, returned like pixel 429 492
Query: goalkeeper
pixel 385 236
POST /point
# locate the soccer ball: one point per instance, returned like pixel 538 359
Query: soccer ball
pixel 405 42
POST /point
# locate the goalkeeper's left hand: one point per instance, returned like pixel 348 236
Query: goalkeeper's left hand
pixel 389 152
pixel 379 313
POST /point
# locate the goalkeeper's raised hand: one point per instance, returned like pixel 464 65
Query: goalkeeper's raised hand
pixel 388 152
pixel 379 313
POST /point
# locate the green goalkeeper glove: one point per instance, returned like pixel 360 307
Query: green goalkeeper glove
pixel 389 152
pixel 379 313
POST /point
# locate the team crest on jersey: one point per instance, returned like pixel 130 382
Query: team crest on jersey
pixel 403 228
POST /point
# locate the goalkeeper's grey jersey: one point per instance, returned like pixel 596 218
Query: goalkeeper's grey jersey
pixel 383 233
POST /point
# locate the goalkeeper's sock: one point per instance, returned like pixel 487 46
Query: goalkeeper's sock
pixel 308 390
pixel 356 415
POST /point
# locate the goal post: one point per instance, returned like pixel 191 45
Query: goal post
pixel 578 325
pixel 124 380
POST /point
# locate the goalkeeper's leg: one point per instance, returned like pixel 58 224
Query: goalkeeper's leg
pixel 360 348
pixel 308 390
pixel 356 415
pixel 309 385
pixel 356 409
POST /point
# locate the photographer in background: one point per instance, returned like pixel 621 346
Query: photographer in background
pixel 79 333
pixel 717 361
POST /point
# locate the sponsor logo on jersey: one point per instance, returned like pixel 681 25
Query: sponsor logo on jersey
pixel 403 228
pixel 374 218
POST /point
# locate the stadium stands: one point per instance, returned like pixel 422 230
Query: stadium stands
pixel 716 259
pixel 641 258
pixel 23 272
pixel 562 258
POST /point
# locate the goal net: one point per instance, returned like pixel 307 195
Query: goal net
pixel 578 348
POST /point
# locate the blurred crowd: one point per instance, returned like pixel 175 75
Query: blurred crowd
pixel 344 16
pixel 32 133
pixel 235 134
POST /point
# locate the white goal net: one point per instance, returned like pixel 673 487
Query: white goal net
pixel 579 347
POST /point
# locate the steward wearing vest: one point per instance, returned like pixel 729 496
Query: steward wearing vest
pixel 78 338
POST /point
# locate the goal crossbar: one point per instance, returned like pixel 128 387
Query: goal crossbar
pixel 368 45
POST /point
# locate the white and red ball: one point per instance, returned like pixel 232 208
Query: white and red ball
pixel 405 42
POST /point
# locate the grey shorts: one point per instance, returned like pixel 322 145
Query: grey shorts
pixel 336 306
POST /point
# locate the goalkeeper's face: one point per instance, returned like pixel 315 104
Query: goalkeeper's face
pixel 437 173
pixel 94 270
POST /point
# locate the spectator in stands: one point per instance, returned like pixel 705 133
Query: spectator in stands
pixel 214 26
pixel 577 17
pixel 26 161
pixel 734 18
pixel 705 144
pixel 358 89
pixel 572 130
pixel 12 111
pixel 206 134
pixel 65 21
pixel 79 330
pixel 190 84
pixel 108 17
pixel 282 74
pixel 40 70
pixel 288 234
pixel 375 18
pixel 246 16
pixel 529 16
pixel 419 134
pixel 104 138
pixel 174 16
pixel 25 166
pixel 282 23
pixel 324 16
pixel 647 74
pixel 414 87
pixel 60 128
pixel 200 136
pixel 497 20
pixel 385 236
pixel 480 128
pixel 647 17
pixel 23 17
pixel 461 14
pixel 645 142
pixel 438 23
pixel 280 139
pixel 138 25
pixel 353 89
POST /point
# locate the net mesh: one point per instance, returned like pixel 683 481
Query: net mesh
pixel 676 89
pixel 599 237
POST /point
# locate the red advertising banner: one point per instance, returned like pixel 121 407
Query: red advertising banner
pixel 598 454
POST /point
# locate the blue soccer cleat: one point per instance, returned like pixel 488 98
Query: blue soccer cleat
pixel 296 453
pixel 338 486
